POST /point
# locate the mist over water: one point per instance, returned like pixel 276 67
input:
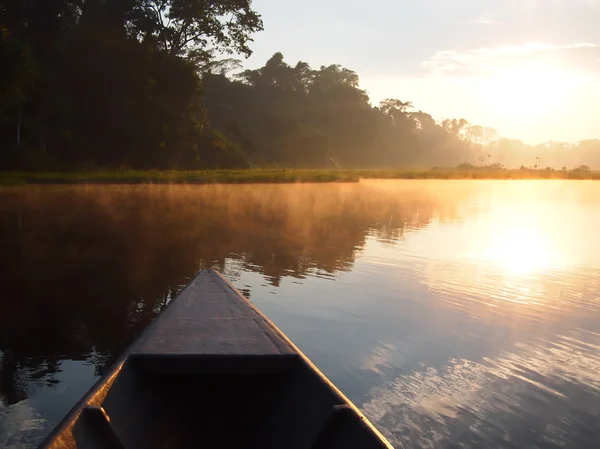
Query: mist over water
pixel 453 313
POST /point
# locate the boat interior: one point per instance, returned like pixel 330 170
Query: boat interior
pixel 206 401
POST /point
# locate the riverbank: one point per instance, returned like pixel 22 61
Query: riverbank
pixel 277 176
pixel 180 177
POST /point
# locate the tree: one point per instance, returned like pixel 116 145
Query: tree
pixel 16 78
pixel 178 26
pixel 397 110
pixel 150 84
pixel 219 67
pixel 293 115
pixel 455 127
pixel 115 82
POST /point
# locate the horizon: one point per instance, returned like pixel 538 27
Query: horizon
pixel 520 68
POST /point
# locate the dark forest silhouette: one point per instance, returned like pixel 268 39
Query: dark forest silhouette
pixel 138 83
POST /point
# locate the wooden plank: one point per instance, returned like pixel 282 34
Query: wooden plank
pixel 209 317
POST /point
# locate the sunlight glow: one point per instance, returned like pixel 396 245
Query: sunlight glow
pixel 528 91
pixel 519 250
pixel 523 235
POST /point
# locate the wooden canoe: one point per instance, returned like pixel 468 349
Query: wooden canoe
pixel 211 371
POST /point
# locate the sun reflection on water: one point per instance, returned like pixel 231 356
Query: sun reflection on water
pixel 524 233
pixel 520 251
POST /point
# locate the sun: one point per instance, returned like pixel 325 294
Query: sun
pixel 528 91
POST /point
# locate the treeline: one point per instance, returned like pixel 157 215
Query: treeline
pixel 90 84
pixel 583 155
pixel 294 115
pixel 297 116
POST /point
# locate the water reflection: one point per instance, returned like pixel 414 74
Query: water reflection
pixel 544 394
pixel 462 314
pixel 508 351
pixel 526 232
pixel 85 268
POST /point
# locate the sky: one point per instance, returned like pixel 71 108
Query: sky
pixel 528 68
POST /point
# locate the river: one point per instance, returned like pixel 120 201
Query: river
pixel 453 313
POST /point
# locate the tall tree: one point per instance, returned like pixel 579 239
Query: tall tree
pixel 181 25
pixel 115 82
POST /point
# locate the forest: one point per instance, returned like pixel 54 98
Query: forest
pixel 156 84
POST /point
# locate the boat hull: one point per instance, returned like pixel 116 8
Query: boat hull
pixel 212 371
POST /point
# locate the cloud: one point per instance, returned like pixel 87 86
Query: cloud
pixel 579 55
pixel 482 21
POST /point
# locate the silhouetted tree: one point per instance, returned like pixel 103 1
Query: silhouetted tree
pixel 114 82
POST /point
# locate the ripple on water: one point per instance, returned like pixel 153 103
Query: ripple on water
pixel 542 394
pixel 459 314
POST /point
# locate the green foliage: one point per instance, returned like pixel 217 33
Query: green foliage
pixel 279 175
pixel 297 116
pixel 178 26
pixel 176 177
pixel 136 83
pixel 17 71
pixel 582 169
pixel 109 83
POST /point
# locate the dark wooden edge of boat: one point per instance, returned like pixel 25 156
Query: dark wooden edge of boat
pixel 98 391
pixel 114 369
pixel 348 403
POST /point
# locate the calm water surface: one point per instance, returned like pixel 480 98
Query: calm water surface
pixel 453 313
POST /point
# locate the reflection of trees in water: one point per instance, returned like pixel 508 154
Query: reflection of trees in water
pixel 20 376
pixel 89 267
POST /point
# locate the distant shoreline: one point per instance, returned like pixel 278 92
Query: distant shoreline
pixel 277 176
